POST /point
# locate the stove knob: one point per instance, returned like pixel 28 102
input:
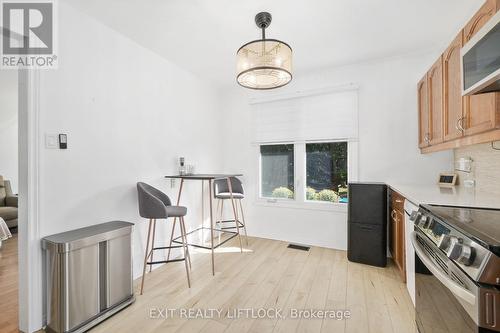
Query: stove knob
pixel 430 224
pixel 414 216
pixel 460 252
pixel 467 256
pixel 423 221
pixel 444 242
pixel 427 223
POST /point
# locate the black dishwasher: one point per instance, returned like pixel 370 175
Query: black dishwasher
pixel 367 224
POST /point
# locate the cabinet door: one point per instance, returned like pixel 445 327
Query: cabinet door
pixel 393 240
pixel 489 8
pixel 397 242
pixel 397 230
pixel 481 113
pixel 435 81
pixel 452 104
pixel 423 113
pixel 480 110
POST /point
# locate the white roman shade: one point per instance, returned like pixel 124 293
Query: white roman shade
pixel 325 115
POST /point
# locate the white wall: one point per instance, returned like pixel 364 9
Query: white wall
pixel 8 127
pixel 129 114
pixel 388 149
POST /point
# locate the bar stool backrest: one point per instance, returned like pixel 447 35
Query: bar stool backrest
pixel 222 187
pixel 152 202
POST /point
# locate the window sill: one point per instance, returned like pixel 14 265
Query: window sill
pixel 309 205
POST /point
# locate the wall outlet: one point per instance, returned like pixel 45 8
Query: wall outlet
pixel 464 164
pixel 469 183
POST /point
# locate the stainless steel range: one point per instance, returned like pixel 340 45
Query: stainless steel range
pixel 457 269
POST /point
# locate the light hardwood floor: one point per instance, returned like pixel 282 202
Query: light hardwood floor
pixel 269 275
pixel 8 286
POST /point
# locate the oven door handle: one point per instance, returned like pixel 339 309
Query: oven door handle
pixel 454 287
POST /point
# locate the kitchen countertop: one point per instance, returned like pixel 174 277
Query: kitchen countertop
pixel 448 196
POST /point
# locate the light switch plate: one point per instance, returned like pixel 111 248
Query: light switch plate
pixel 51 141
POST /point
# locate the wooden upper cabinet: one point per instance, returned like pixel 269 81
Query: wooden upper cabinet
pixel 435 82
pixel 423 113
pixel 489 8
pixel 480 110
pixel 446 119
pixel 452 90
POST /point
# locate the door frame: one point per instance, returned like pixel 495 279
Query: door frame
pixel 30 265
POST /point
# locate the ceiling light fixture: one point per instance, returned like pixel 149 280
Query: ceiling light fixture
pixel 264 63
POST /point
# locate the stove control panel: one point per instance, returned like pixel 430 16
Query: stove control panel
pixel 467 254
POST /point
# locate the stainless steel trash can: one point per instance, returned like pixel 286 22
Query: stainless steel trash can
pixel 88 275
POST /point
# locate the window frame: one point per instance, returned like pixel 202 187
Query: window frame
pixel 300 177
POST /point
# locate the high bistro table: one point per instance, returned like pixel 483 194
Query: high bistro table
pixel 211 178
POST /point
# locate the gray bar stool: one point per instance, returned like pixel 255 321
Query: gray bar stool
pixel 153 205
pixel 222 193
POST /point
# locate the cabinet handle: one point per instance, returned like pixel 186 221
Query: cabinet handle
pixel 461 124
pixel 427 139
pixel 393 215
pixel 399 201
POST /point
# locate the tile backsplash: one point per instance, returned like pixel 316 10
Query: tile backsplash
pixel 485 166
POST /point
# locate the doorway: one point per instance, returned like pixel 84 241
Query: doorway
pixel 9 189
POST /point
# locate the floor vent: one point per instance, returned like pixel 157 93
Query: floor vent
pixel 299 247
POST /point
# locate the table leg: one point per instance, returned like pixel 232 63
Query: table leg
pixel 229 185
pixel 211 225
pixel 175 218
pixel 221 214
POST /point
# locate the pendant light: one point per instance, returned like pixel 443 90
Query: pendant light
pixel 264 63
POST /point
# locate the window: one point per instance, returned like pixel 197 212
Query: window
pixel 326 171
pixel 321 169
pixel 312 135
pixel 277 171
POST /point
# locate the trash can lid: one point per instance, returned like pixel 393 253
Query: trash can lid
pixel 87 236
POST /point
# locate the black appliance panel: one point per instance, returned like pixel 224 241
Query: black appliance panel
pixel 367 244
pixel 368 203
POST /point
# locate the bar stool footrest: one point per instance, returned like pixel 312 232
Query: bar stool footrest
pixel 230 221
pixel 164 261
pixel 166 247
pixel 232 235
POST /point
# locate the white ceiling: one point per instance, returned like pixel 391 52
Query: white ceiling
pixel 203 35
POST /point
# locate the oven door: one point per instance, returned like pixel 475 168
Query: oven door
pixel 445 298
